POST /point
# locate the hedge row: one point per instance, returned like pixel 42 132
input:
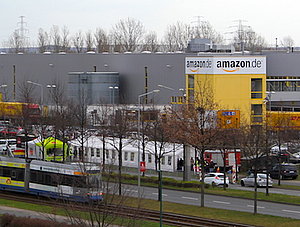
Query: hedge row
pixel 154 180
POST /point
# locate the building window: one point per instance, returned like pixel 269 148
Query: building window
pixel 256 88
pixel 107 154
pixel 256 110
pixel 125 155
pixel 92 152
pixel 163 161
pixel 191 81
pixel 98 152
pixel 86 151
pixel 149 158
pixel 113 154
pixel 169 160
pixel 131 156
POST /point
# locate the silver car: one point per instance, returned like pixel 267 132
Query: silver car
pixel 261 180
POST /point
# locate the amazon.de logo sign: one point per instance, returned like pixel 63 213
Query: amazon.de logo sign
pixel 235 65
pixel 196 65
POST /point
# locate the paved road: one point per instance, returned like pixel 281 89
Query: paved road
pixel 221 202
pixel 271 190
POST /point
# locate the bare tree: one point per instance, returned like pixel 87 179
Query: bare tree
pixel 78 42
pixel 206 30
pixel 151 42
pixel 120 127
pixel 287 41
pixel 252 143
pixel 26 92
pixel 89 41
pixel 177 36
pixel 16 43
pixel 65 40
pixel 128 33
pixel 247 39
pixel 56 39
pixel 103 213
pixel 195 124
pixel 43 40
pixel 101 40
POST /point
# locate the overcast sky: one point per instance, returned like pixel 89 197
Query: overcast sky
pixel 269 18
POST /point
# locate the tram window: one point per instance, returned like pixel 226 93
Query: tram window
pixel 20 175
pixel 47 179
pixel 33 176
pixel 13 174
pixel 40 178
pixel 1 171
pixel 6 172
pixel 67 180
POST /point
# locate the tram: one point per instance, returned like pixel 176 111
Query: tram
pixel 76 181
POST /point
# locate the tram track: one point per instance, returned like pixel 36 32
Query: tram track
pixel 125 211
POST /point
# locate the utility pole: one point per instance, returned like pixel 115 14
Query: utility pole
pixel 22 30
pixel 240 32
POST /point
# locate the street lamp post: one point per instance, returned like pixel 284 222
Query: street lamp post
pixel 139 138
pixel 268 100
pixel 113 88
pixel 50 86
pixel 42 90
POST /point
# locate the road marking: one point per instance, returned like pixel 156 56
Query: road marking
pixel 292 211
pixel 189 198
pixel 130 190
pixel 221 202
pixel 257 206
pixel 157 194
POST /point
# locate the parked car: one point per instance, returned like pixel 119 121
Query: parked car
pixel 215 179
pixel 261 180
pixel 287 171
pixel 297 155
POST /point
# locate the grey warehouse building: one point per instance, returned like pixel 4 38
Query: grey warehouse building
pixel 133 74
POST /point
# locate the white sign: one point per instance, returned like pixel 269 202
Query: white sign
pixel 226 65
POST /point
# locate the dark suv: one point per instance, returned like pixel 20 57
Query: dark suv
pixel 287 171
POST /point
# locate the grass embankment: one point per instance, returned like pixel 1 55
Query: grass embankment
pixel 194 186
pixel 212 213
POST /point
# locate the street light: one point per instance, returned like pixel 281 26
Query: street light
pixel 139 140
pixel 51 86
pixel 113 88
pixel 42 92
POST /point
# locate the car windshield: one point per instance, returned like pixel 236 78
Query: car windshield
pixel 2 142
